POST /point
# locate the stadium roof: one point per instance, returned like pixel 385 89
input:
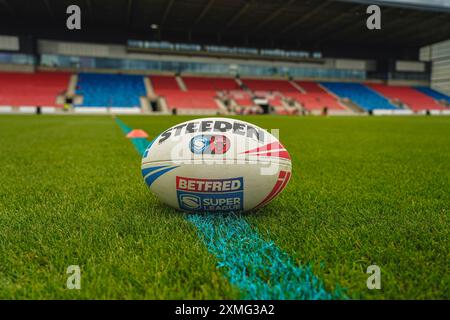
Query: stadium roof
pixel 331 26
pixel 437 5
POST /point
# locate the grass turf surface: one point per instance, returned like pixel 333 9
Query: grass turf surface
pixel 366 190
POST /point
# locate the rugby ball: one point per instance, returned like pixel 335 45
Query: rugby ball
pixel 216 165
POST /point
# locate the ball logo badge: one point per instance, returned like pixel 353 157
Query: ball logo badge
pixel 199 144
pixel 190 202
pixel 209 144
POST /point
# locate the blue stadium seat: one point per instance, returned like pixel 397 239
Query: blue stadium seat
pixel 365 97
pixel 433 93
pixel 110 90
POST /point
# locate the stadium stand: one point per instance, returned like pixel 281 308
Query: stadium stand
pixel 117 90
pixel 315 97
pixel 434 94
pixel 190 100
pixel 411 98
pixel 273 90
pixel 164 83
pixel 240 97
pixel 274 97
pixel 210 84
pixel 275 101
pixel 359 94
pixel 200 92
pixel 282 86
pixel 110 90
pixel 32 89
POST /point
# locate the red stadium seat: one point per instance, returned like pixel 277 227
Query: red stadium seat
pixel 315 97
pixel 241 97
pixel 201 91
pixel 272 90
pixel 189 100
pixel 167 87
pixel 210 84
pixel 32 89
pixel 414 99
pixel 164 83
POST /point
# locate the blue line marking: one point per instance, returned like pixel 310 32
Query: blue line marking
pixel 260 269
pixel 140 144
pixel 126 129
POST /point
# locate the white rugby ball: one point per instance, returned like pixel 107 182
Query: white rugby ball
pixel 216 165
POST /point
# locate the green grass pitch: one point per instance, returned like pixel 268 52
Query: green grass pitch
pixel 365 190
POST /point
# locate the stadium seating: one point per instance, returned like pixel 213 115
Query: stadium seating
pixel 164 83
pixel 434 94
pixel 210 84
pixel 269 85
pixel 359 94
pixel 272 90
pixel 241 97
pixel 190 99
pixel 244 102
pixel 312 97
pixel 413 99
pixel 106 90
pixel 315 97
pixel 200 92
pixel 32 89
pixel 110 90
